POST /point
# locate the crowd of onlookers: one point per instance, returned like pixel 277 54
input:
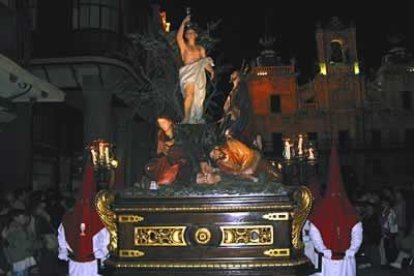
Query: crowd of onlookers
pixel 28 225
pixel 29 221
pixel 388 222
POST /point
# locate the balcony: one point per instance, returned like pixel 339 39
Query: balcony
pixel 271 71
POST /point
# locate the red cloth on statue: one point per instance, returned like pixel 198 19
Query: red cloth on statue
pixel 162 171
pixel 334 216
pixel 166 168
pixel 84 211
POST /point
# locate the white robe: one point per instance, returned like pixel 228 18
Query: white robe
pixel 195 73
pixel 344 267
pixel 100 250
pixel 309 249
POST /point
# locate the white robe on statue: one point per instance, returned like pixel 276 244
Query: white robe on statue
pixel 100 248
pixel 344 267
pixel 195 73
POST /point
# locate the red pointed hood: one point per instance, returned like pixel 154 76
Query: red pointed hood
pixel 334 216
pixel 314 186
pixel 83 214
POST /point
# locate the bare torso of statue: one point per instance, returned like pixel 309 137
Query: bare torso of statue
pixel 192 53
pixel 194 59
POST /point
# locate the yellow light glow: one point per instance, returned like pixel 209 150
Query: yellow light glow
pixel 262 73
pixel 166 25
pixel 323 69
pixel 356 68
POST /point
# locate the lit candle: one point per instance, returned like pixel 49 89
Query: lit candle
pixel 311 154
pixel 107 155
pixel 300 144
pixel 94 157
pixel 101 151
pixel 287 152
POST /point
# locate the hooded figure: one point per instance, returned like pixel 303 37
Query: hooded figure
pixel 335 229
pixel 83 239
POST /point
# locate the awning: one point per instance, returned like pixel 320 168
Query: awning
pixel 19 85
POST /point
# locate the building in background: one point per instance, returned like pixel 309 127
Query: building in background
pixel 86 49
pixel 20 92
pixel 372 122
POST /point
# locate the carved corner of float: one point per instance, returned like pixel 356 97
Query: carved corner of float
pixel 303 199
pixel 103 203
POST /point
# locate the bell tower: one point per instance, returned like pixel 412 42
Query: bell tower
pixel 336 44
pixel 339 83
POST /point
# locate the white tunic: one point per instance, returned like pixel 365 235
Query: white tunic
pixel 100 250
pixel 344 267
pixel 195 73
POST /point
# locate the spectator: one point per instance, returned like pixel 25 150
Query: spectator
pixel 20 245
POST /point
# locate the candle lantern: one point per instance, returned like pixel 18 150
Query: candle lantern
pixel 104 161
pixel 299 155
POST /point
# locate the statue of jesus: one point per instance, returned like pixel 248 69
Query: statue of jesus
pixel 192 75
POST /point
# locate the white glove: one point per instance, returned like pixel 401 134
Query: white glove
pixel 327 253
pixel 63 257
pixel 349 253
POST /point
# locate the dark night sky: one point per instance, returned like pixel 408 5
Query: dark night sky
pixel 243 23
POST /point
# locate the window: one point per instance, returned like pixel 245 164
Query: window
pixel 406 100
pixel 376 137
pixel 275 104
pixel 344 139
pixel 336 52
pixel 277 143
pixel 95 14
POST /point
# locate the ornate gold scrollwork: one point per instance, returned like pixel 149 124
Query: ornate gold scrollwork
pixel 303 198
pixel 277 252
pixel 129 218
pixel 202 236
pixel 103 203
pixel 246 235
pixel 130 253
pixel 276 216
pixel 160 236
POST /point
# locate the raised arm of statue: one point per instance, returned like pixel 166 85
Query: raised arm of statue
pixel 180 35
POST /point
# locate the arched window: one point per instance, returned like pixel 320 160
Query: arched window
pixel 95 14
pixel 337 54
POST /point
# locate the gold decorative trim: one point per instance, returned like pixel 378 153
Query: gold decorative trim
pixel 103 201
pixel 246 235
pixel 276 216
pixel 202 236
pixel 210 265
pixel 160 236
pixel 303 198
pixel 205 209
pixel 277 252
pixel 129 218
pixel 130 253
